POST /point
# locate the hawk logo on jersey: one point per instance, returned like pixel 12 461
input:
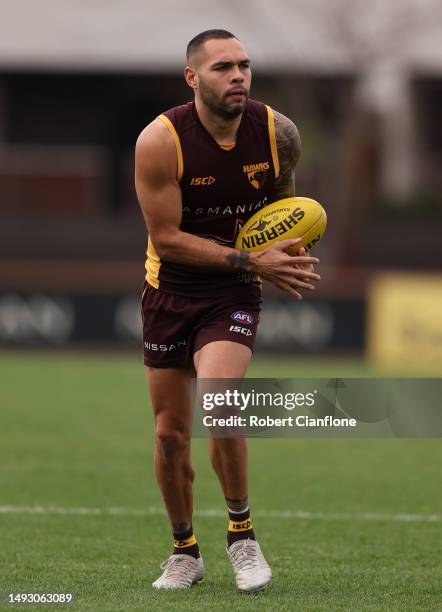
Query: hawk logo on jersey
pixel 257 173
pixel 202 180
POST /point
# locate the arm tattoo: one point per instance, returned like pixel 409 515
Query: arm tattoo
pixel 288 143
pixel 239 261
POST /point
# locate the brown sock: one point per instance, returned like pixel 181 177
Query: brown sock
pixel 185 544
pixel 240 527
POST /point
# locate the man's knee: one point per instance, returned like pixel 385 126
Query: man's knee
pixel 172 440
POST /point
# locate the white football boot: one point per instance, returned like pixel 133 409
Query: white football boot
pixel 252 572
pixel 180 572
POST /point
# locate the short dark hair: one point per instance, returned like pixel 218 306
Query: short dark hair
pixel 199 40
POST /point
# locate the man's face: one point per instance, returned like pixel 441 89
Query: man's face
pixel 221 77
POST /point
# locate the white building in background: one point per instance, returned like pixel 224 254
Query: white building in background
pixel 382 44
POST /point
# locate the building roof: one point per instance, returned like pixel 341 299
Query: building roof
pixel 285 35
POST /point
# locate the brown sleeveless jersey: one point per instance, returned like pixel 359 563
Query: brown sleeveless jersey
pixel 221 188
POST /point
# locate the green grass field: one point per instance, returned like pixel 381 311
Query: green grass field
pixel 76 441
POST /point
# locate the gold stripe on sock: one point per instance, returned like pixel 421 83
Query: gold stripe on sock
pixel 185 543
pixel 240 525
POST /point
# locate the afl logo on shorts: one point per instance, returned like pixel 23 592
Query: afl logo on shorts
pixel 242 317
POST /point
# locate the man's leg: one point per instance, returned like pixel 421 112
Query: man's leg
pixel 225 359
pixel 170 390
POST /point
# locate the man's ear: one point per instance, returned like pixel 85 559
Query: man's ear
pixel 191 77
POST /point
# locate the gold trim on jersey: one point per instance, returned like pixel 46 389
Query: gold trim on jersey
pixel 142 298
pixel 153 264
pixel 168 123
pixel 227 147
pixel 272 135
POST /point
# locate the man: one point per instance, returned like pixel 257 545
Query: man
pixel 202 169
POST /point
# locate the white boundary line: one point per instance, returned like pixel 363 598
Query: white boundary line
pixel 214 512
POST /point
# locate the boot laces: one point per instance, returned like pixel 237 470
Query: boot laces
pixel 177 567
pixel 246 556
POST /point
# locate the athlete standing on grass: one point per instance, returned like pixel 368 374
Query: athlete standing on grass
pixel 202 169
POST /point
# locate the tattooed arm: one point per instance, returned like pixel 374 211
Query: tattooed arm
pixel 288 143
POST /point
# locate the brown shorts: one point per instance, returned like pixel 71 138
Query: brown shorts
pixel 175 327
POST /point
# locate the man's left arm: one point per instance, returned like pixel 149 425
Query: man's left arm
pixel 288 144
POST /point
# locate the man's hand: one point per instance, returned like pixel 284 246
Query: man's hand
pixel 309 267
pixel 286 272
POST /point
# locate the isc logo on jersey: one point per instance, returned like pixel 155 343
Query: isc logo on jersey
pixel 202 180
pixel 240 316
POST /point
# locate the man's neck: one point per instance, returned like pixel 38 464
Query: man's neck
pixel 223 131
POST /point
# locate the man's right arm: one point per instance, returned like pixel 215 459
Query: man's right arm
pixel 159 195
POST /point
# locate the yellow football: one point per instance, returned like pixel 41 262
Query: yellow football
pixel 289 218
